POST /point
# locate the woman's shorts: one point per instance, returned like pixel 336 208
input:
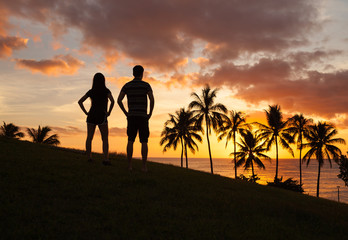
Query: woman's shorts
pixel 97 118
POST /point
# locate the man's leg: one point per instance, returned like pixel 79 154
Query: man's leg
pixel 144 136
pixel 131 133
pixel 130 154
pixel 144 150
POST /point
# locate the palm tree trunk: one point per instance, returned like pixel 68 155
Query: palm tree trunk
pixel 182 152
pixel 211 160
pixel 252 168
pixel 234 156
pixel 186 155
pixel 300 162
pixel 276 175
pixel 318 180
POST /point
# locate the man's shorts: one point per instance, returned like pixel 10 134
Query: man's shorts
pixel 135 124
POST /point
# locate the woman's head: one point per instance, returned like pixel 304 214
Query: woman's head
pixel 98 82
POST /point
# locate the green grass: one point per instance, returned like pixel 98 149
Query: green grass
pixel 53 193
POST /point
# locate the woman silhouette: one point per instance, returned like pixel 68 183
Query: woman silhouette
pixel 98 114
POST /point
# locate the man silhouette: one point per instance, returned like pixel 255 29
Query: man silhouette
pixel 137 92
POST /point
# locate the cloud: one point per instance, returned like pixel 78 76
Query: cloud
pixel 71 130
pixel 303 60
pixel 273 81
pixel 56 45
pixel 162 34
pixel 4 25
pixel 110 59
pixel 67 131
pixel 201 61
pixel 120 81
pixel 59 65
pixel 8 44
pixel 118 132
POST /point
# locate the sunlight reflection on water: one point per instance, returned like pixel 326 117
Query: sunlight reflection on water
pixel 287 168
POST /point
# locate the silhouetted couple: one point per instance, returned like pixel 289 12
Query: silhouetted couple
pixel 137 92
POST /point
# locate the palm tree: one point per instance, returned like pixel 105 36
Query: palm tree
pixel 190 129
pixel 181 128
pixel 206 110
pixel 252 147
pixel 171 135
pixel 275 132
pixel 11 131
pixel 299 126
pixel 343 165
pixel 41 135
pixel 321 143
pixel 231 127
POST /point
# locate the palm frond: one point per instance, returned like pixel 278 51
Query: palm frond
pixel 32 133
pixel 337 140
pixel 52 140
pixel 259 163
pixel 284 143
pixel 308 155
pixel 219 107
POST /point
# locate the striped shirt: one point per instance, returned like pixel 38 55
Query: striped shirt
pixel 136 91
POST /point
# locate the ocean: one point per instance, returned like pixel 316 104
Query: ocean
pixel 330 184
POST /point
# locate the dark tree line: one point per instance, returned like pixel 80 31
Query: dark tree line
pixel 251 140
pixel 39 135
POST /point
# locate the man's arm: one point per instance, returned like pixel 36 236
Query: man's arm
pixel 152 103
pixel 120 103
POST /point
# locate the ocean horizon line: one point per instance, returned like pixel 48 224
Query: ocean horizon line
pixel 221 158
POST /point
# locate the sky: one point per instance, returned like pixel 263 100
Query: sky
pixel 256 52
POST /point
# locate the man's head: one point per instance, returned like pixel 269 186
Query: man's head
pixel 138 71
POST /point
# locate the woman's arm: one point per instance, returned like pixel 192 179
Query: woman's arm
pixel 112 103
pixel 81 103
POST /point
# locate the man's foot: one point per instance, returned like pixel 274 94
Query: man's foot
pixel 107 163
pixel 144 169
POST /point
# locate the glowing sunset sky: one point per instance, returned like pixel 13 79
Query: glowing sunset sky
pixel 258 52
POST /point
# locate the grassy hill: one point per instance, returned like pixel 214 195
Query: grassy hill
pixel 54 193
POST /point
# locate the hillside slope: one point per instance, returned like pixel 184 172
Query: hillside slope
pixel 53 193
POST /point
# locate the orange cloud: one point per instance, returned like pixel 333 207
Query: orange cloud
pixel 162 34
pixel 56 45
pixel 272 81
pixel 110 59
pixel 59 65
pixel 4 24
pixel 201 61
pixel 119 82
pixel 118 132
pixel 67 131
pixel 8 44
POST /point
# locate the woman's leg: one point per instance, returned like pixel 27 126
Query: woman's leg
pixel 90 134
pixel 104 131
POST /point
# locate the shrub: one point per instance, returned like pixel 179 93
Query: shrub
pixel 288 184
pixel 252 178
pixel 343 164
